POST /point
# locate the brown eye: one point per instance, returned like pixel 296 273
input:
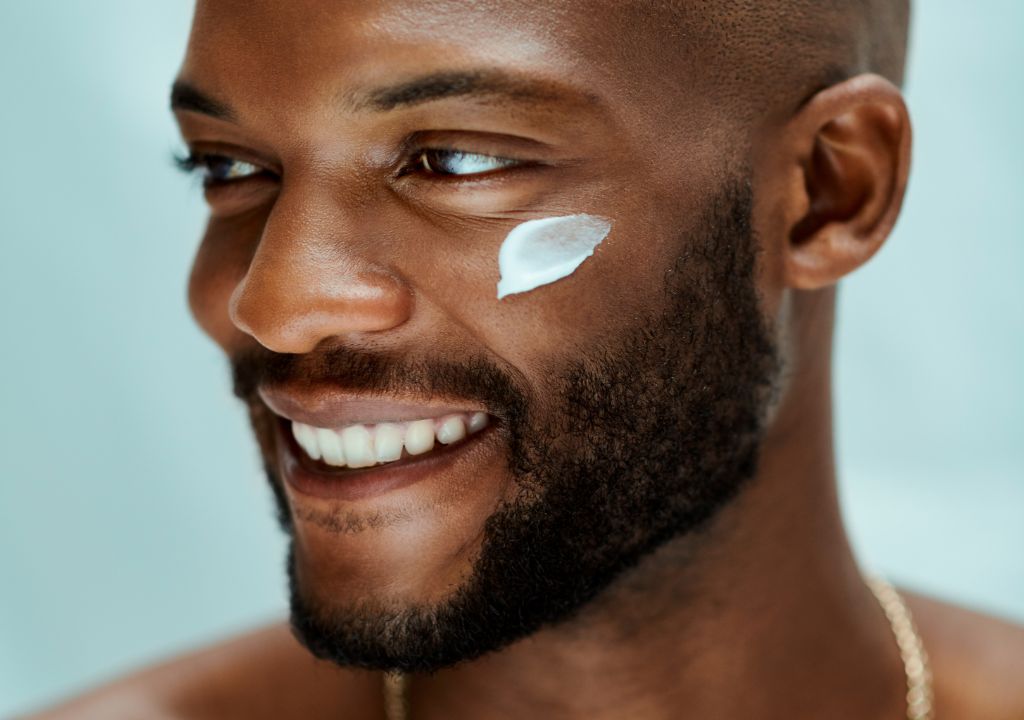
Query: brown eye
pixel 219 169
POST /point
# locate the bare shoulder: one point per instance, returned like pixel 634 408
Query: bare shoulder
pixel 977 660
pixel 261 674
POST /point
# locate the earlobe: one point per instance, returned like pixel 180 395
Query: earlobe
pixel 852 146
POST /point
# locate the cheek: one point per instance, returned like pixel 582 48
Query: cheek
pixel 220 264
pixel 601 299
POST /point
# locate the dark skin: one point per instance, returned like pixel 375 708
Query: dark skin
pixel 315 248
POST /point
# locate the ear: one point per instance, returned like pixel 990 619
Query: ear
pixel 847 155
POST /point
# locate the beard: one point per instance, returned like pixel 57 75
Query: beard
pixel 648 438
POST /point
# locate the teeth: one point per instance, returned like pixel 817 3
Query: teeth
pixel 330 446
pixel 389 439
pixel 419 437
pixel 360 445
pixel 451 430
pixel 477 421
pixel 305 436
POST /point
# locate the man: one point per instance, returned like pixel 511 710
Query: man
pixel 531 306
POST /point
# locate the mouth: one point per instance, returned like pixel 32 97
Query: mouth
pixel 363 460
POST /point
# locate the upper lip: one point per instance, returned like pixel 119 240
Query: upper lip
pixel 327 408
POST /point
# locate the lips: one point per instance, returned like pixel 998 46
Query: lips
pixel 329 409
pixel 346 446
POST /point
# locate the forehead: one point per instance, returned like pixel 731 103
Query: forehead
pixel 310 51
pixel 286 33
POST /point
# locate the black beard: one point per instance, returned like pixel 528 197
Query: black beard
pixel 651 438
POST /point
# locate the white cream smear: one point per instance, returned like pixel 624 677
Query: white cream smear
pixel 538 252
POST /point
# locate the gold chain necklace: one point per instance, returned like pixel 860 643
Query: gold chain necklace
pixel 915 660
pixel 396 700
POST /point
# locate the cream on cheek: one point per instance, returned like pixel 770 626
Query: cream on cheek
pixel 539 252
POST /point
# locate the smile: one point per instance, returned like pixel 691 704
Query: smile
pixel 361 445
pixel 342 446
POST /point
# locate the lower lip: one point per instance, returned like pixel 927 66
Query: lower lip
pixel 301 473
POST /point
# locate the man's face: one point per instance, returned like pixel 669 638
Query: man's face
pixel 351 258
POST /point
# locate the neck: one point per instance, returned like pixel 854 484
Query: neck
pixel 762 614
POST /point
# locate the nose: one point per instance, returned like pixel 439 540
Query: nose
pixel 313 276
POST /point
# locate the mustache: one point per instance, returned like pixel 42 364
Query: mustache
pixel 381 373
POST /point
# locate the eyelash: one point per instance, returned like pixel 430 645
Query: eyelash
pixel 206 164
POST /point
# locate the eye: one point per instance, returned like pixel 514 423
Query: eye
pixel 218 169
pixel 441 161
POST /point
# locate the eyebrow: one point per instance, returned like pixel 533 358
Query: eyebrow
pixel 494 84
pixel 185 96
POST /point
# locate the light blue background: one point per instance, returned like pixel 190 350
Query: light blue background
pixel 134 519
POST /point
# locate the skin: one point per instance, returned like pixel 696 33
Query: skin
pixel 321 256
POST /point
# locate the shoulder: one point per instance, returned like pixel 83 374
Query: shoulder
pixel 977 660
pixel 261 674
